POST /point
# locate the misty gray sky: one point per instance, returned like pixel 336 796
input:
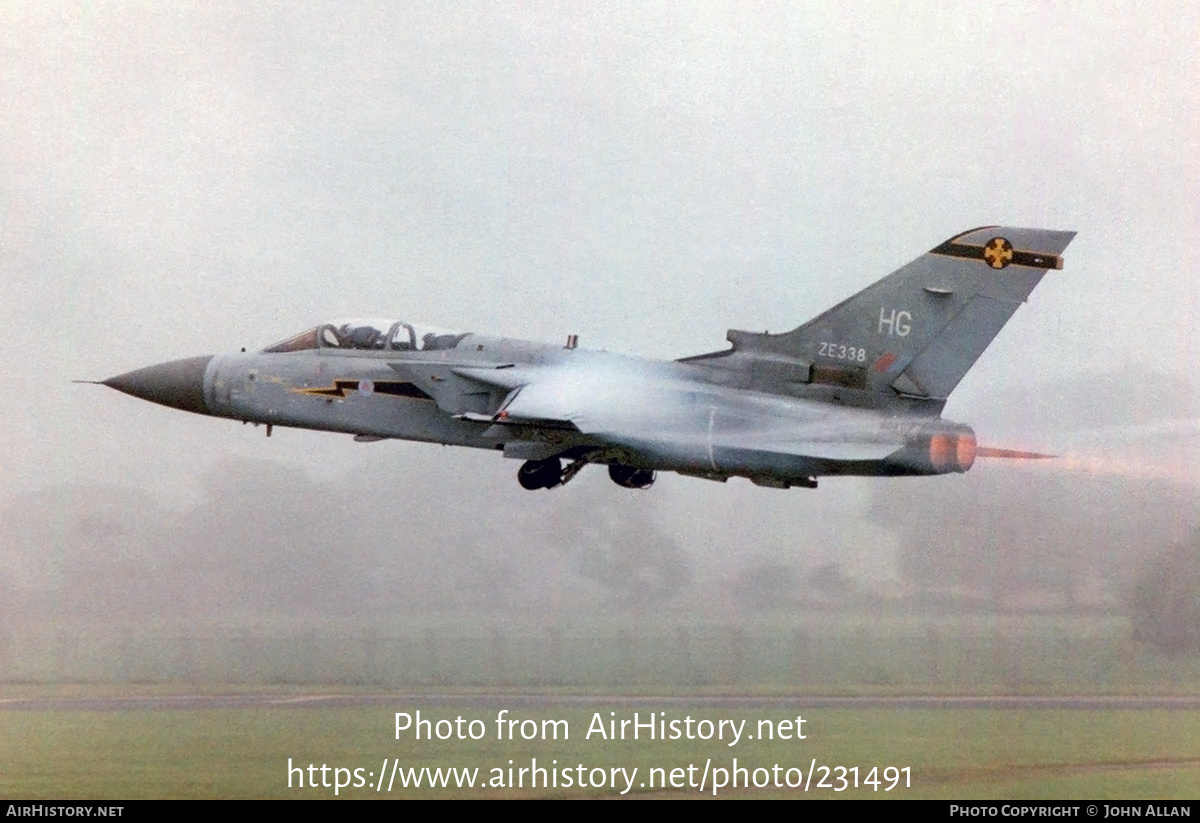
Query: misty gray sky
pixel 186 179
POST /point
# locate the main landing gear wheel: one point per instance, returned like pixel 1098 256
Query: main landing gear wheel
pixel 631 477
pixel 540 474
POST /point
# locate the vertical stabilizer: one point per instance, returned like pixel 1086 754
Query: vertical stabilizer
pixel 917 332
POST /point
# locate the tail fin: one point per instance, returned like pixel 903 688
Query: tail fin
pixel 917 331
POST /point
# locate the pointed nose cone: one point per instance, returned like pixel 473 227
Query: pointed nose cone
pixel 178 384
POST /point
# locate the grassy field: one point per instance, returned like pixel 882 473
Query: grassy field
pixel 801 654
pixel 1117 754
pixel 949 753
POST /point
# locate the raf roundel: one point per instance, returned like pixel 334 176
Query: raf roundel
pixel 998 252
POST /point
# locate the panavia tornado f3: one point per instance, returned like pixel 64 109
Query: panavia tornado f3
pixel 859 390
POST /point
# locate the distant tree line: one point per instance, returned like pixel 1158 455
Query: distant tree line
pixel 1164 605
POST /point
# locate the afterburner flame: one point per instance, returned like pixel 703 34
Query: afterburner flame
pixel 952 452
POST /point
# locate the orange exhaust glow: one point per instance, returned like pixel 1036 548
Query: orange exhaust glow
pixel 1011 454
pixel 952 453
pixel 941 452
pixel 965 451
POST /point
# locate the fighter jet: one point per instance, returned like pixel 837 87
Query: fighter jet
pixel 859 390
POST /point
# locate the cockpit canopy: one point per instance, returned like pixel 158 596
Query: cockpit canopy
pixel 370 335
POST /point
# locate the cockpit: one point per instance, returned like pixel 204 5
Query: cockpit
pixel 370 335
